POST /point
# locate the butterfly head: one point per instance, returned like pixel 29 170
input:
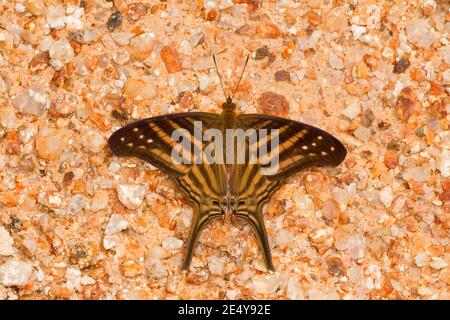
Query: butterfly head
pixel 229 105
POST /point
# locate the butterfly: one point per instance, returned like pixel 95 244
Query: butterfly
pixel 217 189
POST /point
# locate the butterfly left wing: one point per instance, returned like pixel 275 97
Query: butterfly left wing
pixel 151 139
pixel 204 185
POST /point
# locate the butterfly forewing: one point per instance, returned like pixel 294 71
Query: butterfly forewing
pixel 299 145
pixel 151 139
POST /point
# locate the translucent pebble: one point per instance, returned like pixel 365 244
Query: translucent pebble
pixel 8 118
pixel 131 195
pixel 418 32
pixel 92 141
pixel 418 174
pixel 15 272
pixel 362 133
pixel 61 52
pixel 352 110
pixel 76 204
pixel 6 243
pixel 31 102
pixel 172 243
pixel 116 224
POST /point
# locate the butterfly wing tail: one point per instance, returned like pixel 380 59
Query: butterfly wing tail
pixel 199 220
pixel 196 227
pixel 257 222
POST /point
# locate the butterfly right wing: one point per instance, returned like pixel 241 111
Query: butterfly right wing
pixel 250 191
pixel 300 146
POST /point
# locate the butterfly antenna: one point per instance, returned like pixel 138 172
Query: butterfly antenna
pixel 243 70
pixel 220 78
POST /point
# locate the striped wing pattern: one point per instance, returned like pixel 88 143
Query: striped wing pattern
pixel 300 145
pixel 214 189
pixel 150 139
pixel 205 186
pixel 249 191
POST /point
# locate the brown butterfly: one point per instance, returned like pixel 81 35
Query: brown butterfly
pixel 217 189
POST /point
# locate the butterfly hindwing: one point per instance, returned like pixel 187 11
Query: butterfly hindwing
pixel 249 191
pixel 205 186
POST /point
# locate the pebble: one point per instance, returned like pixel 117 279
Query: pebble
pixel 92 141
pixel 362 133
pixel 8 118
pixel 330 209
pixel 136 11
pixel 172 243
pixel 50 143
pixel 419 33
pixel 273 104
pixel 418 174
pixel 56 16
pixel 438 263
pixel 141 46
pixel 76 204
pixel 216 265
pixel 131 195
pixel 335 62
pixel 283 238
pixel 121 38
pixel 203 62
pixel 367 118
pixel 391 159
pixel 131 268
pixel 267 284
pixel 171 59
pixel 261 53
pixel 6 243
pixel 31 101
pixel 116 224
pixel 268 30
pixel 172 284
pixel 386 196
pixel 358 31
pixel 156 268
pixel 100 200
pixel 15 272
pixel 114 21
pixel 282 75
pixel 137 90
pixel 422 259
pixel 40 61
pixel 401 65
pixel 293 290
pixel 444 163
pixel 352 110
pixel 61 53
